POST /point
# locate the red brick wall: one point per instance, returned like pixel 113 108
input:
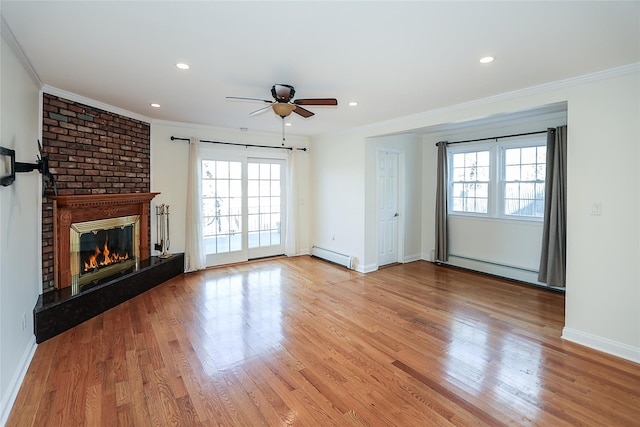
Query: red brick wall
pixel 91 151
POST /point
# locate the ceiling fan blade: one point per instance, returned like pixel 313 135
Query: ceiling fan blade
pixel 316 101
pixel 235 98
pixel 303 112
pixel 260 111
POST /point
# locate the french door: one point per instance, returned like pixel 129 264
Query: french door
pixel 242 208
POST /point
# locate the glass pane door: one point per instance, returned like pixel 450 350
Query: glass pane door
pixel 242 206
pixel 265 201
pixel 222 208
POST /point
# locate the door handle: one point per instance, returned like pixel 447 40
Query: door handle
pixel 396 215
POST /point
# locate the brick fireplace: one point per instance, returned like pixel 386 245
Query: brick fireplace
pixel 91 152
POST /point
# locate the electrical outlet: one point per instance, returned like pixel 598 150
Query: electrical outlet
pixel 24 321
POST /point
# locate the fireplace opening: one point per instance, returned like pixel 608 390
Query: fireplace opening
pixel 103 248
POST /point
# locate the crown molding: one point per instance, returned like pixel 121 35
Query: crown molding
pixel 532 90
pixel 93 103
pixel 15 47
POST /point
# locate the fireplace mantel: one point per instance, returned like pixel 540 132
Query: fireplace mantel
pixel 88 207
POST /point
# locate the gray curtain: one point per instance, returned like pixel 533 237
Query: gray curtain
pixel 441 249
pixel 554 238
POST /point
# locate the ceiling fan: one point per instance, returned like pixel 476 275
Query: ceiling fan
pixel 283 103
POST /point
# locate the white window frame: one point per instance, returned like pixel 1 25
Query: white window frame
pixel 496 148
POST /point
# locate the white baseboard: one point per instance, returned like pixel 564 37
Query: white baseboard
pixel 16 381
pixel 366 268
pixel 411 258
pixel 602 344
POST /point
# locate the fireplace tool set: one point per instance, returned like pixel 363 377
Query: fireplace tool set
pixel 162 230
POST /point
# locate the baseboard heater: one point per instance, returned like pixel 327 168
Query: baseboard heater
pixel 331 256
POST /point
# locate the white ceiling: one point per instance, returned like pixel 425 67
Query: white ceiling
pixel 394 58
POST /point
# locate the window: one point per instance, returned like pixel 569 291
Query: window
pixel 512 189
pixel 470 182
pixel 524 174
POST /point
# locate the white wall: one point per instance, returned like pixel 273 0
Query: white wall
pixel 170 165
pixel 337 195
pixel 603 276
pixel 20 260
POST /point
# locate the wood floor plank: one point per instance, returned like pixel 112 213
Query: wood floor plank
pixel 301 342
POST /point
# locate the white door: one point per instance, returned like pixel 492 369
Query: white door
pixel 387 205
pixel 243 209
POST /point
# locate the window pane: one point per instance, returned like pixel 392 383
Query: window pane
pixel 528 172
pixel 208 188
pixel 265 171
pixel 458 174
pixel 542 154
pixel 275 204
pixel 483 173
pixel 253 205
pixel 254 240
pixel 253 188
pixel 222 205
pixel 458 160
pixel 470 160
pixel 222 244
pixel 512 173
pixel 481 206
pixel 483 158
pixel 222 169
pixel 275 171
pixel 512 156
pixel 482 190
pixel 235 206
pixel 235 224
pixel 235 188
pixel 528 155
pixel 253 171
pixel 235 170
pixel 222 188
pixel 275 188
pixel 265 188
pixel 208 169
pixel 235 242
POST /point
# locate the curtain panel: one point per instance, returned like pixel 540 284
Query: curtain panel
pixel 441 246
pixel 194 257
pixel 554 239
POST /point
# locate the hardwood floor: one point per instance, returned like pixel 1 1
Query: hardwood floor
pixel 297 341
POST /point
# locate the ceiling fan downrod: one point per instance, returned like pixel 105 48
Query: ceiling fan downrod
pixel 282 130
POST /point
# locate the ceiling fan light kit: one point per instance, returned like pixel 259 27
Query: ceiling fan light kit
pixel 283 109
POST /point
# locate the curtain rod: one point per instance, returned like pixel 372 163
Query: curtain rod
pixel 495 137
pixel 173 138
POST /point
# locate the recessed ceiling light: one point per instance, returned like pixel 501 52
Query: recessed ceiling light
pixel 287 124
pixel 486 59
pixel 182 66
pixel 353 104
pixel 154 105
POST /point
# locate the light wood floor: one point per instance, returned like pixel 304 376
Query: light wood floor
pixel 302 342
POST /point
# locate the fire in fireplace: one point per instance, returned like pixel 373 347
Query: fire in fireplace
pixel 103 248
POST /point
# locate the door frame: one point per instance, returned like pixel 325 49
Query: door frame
pixel 401 201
